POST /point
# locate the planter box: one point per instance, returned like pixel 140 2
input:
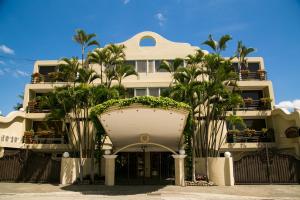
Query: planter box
pixel 220 170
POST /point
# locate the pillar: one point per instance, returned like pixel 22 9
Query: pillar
pixel 179 169
pixel 110 169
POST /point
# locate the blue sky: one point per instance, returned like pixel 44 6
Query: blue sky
pixel 40 29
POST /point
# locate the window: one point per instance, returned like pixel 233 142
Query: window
pixel 147 42
pixel 45 70
pixel 254 94
pixel 253 67
pixel 154 92
pixel 151 66
pixel 141 66
pixel 130 62
pixel 129 92
pixel 256 124
pixel 141 92
pixel 157 66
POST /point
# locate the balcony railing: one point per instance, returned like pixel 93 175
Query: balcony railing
pixel 250 136
pixel 253 75
pixel 34 106
pixel 43 137
pixel 251 104
pixel 52 77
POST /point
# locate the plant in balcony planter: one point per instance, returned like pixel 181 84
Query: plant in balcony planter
pixel 36 77
pixel 249 132
pixel 266 102
pixel 231 135
pixel 248 101
pixel 261 74
pixel 28 135
pixel 245 73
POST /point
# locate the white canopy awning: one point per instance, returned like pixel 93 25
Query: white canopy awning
pixel 142 124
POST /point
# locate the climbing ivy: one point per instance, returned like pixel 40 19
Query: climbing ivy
pixel 153 102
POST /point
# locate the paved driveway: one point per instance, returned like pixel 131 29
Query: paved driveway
pixel 24 191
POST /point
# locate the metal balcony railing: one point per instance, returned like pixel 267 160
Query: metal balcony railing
pixel 40 78
pixel 34 106
pixel 41 137
pixel 254 105
pixel 253 75
pixel 252 136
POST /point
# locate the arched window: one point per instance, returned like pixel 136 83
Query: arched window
pixel 147 41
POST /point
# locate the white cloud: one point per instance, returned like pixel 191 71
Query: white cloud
pixel 161 18
pixel 6 49
pixel 126 1
pixel 14 72
pixel 19 73
pixel 289 104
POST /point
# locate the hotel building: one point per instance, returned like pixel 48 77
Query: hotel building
pixel 153 160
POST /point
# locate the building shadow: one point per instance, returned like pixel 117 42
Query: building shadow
pixel 113 190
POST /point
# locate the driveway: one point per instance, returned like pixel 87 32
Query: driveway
pixel 24 191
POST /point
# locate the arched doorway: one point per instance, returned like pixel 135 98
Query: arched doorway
pixel 145 166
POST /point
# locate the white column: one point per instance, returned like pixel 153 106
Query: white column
pixel 179 169
pixel 110 169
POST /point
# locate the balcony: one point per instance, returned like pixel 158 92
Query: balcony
pixel 51 77
pixel 35 106
pixel 255 104
pixel 43 137
pixel 250 136
pixel 246 75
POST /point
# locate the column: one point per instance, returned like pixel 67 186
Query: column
pixel 110 169
pixel 179 169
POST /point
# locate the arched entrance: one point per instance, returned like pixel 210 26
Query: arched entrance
pixel 161 171
pixel 143 166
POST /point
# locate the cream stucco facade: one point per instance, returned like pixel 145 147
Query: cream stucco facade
pixel 151 81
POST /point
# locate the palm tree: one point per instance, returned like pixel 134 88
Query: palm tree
pixel 122 71
pixel 117 54
pixel 68 68
pixel 86 75
pixel 85 40
pixel 100 57
pixel 241 53
pixel 219 45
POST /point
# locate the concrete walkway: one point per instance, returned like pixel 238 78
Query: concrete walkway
pixel 18 191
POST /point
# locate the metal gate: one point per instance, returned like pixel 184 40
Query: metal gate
pixel 267 167
pixel 28 166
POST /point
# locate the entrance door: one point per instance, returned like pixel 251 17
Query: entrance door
pixel 144 168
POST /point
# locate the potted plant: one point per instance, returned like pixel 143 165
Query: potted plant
pixel 249 132
pixel 261 74
pixel 266 102
pixel 248 101
pixel 32 105
pixel 28 135
pixel 245 73
pixel 231 135
pixel 36 77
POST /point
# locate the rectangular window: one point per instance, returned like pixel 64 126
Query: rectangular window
pixel 151 66
pixel 256 124
pixel 253 67
pixel 154 92
pixel 157 66
pixel 141 66
pixel 129 92
pixel 141 92
pixel 130 62
pixel 253 94
pixel 45 70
